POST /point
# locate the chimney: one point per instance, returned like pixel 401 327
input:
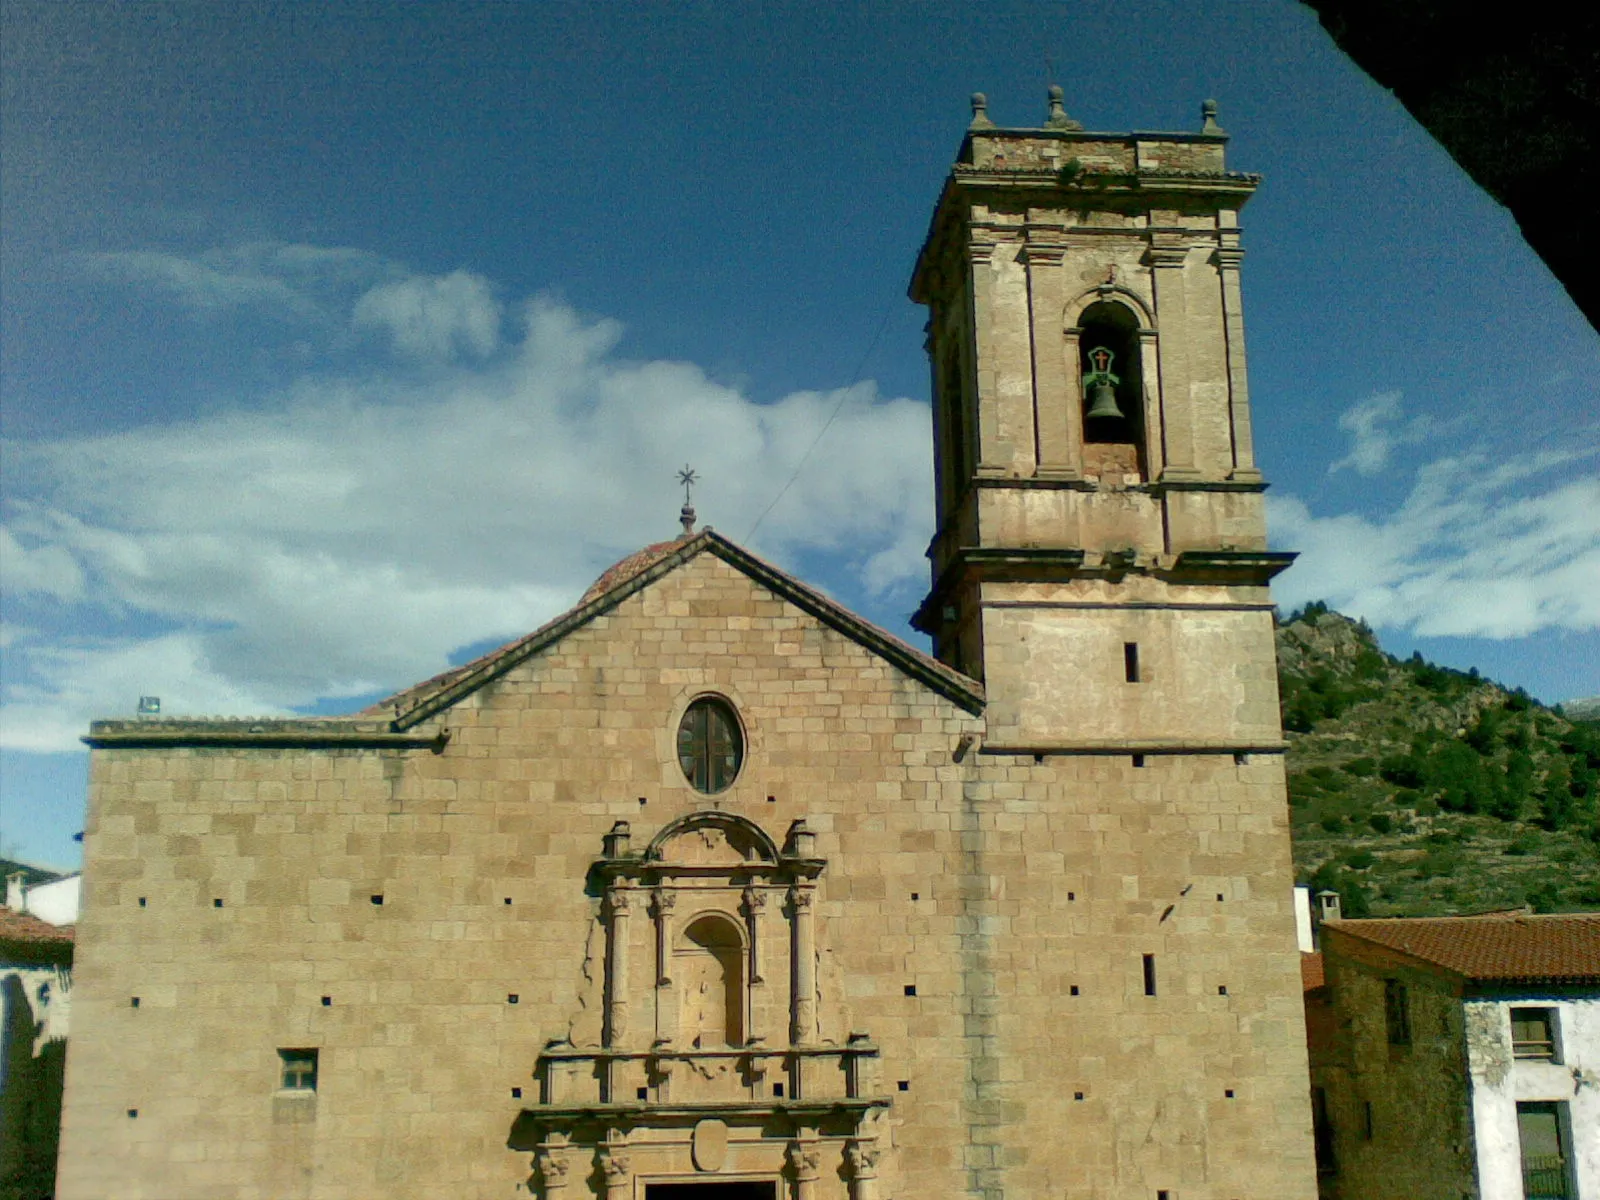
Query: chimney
pixel 16 894
pixel 1327 906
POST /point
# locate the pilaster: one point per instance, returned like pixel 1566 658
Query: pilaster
pixel 1177 418
pixel 1228 258
pixel 1057 413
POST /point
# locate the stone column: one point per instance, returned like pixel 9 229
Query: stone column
pixel 861 1155
pixel 803 966
pixel 618 1172
pixel 806 1163
pixel 1244 452
pixel 619 904
pixel 1057 407
pixel 661 905
pixel 753 905
pixel 1172 320
pixel 552 1164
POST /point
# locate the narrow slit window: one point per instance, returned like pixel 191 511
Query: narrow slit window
pixel 1130 661
pixel 1396 1013
pixel 1149 974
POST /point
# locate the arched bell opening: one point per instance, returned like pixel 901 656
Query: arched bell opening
pixel 710 960
pixel 1112 378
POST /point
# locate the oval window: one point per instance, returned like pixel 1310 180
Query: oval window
pixel 710 745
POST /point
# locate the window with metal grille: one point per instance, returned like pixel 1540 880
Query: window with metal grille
pixel 299 1070
pixel 710 745
pixel 1533 1033
pixel 1544 1136
pixel 1396 1012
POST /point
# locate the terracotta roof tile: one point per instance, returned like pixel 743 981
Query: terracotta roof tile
pixel 1505 949
pixel 25 927
pixel 639 560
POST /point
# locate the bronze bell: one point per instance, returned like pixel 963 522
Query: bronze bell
pixel 1103 402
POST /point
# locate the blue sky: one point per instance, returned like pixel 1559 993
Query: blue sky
pixel 342 340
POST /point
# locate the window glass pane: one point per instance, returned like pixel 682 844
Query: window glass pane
pixel 710 746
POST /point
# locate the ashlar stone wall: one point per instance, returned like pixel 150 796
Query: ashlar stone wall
pixel 429 923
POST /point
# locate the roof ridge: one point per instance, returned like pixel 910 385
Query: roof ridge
pixel 417 703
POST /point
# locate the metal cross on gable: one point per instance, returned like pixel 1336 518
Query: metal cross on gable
pixel 686 515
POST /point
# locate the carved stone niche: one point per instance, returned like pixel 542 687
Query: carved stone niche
pixel 699 931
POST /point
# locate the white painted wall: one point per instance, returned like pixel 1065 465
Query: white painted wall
pixel 1499 1081
pixel 1302 918
pixel 56 902
pixel 49 992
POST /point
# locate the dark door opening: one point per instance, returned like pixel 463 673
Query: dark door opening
pixel 743 1190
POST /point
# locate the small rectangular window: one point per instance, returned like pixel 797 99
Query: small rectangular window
pixel 299 1070
pixel 1130 661
pixel 1533 1034
pixel 1149 974
pixel 1396 1013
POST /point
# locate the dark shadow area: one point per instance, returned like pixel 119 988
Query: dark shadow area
pixel 30 1102
pixel 1514 98
pixel 745 1190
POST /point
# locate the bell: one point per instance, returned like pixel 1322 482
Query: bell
pixel 1103 402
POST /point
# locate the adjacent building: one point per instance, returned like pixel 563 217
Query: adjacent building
pixel 709 888
pixel 35 998
pixel 1457 1057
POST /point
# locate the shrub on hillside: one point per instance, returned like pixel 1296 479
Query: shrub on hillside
pixel 1402 770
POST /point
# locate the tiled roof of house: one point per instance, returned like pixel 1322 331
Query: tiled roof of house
pixel 25 927
pixel 1312 975
pixel 1492 949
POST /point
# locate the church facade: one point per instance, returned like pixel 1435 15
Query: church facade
pixel 709 889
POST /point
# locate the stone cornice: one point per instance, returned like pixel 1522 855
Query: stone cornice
pixel 134 735
pixel 1123 748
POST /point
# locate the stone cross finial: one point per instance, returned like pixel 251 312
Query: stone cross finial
pixel 686 514
pixel 1208 114
pixel 1058 118
pixel 980 112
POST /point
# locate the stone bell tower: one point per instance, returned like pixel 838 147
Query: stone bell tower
pixel 1100 560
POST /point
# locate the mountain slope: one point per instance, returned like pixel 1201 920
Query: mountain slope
pixel 1416 790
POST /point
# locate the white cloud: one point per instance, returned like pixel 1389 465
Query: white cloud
pixel 1483 550
pixel 433 318
pixel 351 534
pixel 43 570
pixel 1373 425
pixel 308 283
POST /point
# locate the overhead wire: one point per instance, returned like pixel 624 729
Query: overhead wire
pixel 844 395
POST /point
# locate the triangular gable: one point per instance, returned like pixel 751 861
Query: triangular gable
pixel 424 700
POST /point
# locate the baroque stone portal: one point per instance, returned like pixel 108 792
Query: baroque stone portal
pixel 704 1069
